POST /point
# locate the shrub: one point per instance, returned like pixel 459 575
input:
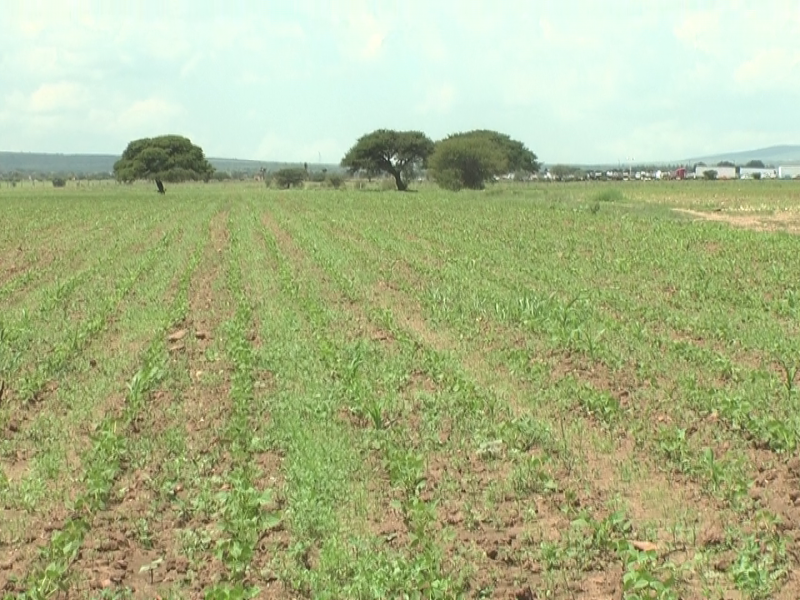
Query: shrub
pixel 335 180
pixel 288 177
pixel 59 182
pixel 710 175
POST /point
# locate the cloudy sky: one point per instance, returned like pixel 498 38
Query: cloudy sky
pixel 300 80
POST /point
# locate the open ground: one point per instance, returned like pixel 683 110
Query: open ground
pixel 527 392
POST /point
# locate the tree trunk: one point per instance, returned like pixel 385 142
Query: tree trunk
pixel 401 185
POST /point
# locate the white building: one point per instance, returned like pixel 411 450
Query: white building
pixel 722 172
pixel 748 172
pixel 788 171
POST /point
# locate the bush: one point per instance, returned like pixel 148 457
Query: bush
pixel 292 176
pixel 756 175
pixel 59 182
pixel 335 180
pixel 710 175
pixel 609 195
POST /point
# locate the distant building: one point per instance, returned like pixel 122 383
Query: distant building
pixel 788 171
pixel 748 172
pixel 722 172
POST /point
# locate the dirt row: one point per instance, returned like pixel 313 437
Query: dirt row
pixel 150 521
pixel 654 496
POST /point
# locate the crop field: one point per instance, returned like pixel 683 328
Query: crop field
pixel 546 391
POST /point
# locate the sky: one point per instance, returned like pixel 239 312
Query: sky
pixel 301 80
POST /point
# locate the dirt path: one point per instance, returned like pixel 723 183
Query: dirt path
pixel 782 221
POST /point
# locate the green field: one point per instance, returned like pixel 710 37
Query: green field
pixel 548 391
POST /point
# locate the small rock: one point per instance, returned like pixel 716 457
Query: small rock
pixel 178 335
pixel 106 583
pixel 201 335
pixel 525 593
pixel 108 546
pixel 176 347
pixel 644 546
pixel 713 536
pixel 6 565
pixel 181 565
pixel 723 563
pixel 492 554
pixel 455 518
pixel 92 363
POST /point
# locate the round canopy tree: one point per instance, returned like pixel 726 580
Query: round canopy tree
pixel 468 160
pixel 398 153
pixel 461 162
pixel 167 157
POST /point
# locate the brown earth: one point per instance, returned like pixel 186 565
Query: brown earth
pixel 147 524
pixel 501 545
pixel 781 221
pixel 50 516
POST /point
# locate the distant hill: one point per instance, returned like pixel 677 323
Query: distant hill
pixel 777 155
pixel 774 155
pixel 35 162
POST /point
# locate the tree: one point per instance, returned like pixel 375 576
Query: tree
pixel 756 175
pixel 289 176
pixel 755 164
pixel 710 174
pixel 466 162
pixel 398 153
pixel 562 172
pixel 167 157
pixel 725 163
pixel 517 156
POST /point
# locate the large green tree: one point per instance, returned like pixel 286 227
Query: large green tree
pixel 461 162
pixel 469 159
pixel 167 157
pixel 398 153
pixel 518 157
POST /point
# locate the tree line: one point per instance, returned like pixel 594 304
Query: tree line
pixel 461 160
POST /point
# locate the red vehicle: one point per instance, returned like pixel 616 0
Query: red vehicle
pixel 680 173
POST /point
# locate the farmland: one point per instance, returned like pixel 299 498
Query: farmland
pixel 544 391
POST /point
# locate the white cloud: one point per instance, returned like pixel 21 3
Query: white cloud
pixel 438 99
pixel 701 31
pixel 363 34
pixel 772 69
pixel 143 117
pixel 580 80
pixel 58 96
